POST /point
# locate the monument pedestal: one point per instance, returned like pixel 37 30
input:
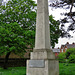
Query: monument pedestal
pixel 42 63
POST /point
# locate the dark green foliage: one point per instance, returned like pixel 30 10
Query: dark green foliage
pixel 11 38
pixel 70 52
pixel 61 57
pixel 72 58
pixel 24 13
pixel 17 26
pixel 13 71
pixel 20 11
pixel 69 56
pixel 55 32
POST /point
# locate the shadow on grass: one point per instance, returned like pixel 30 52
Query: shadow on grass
pixel 13 71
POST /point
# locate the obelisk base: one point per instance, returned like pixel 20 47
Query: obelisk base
pixel 42 63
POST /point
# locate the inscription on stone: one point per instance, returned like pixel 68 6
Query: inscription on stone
pixel 36 63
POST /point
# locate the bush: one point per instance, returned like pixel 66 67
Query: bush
pixel 72 58
pixel 61 57
pixel 69 52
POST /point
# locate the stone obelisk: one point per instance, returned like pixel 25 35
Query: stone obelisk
pixel 42 60
pixel 42 26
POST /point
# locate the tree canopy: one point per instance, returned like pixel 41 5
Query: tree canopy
pixel 20 11
pixel 23 13
pixel 55 32
pixel 11 38
pixel 69 52
pixel 17 27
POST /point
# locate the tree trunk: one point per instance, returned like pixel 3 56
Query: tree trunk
pixel 6 60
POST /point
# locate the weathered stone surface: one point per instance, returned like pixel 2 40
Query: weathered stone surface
pixel 36 63
pixel 42 40
pixel 43 54
pixel 51 68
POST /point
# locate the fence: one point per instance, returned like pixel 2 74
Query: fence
pixel 14 62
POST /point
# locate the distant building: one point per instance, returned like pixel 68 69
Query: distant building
pixel 63 48
pixel 66 46
pixel 56 51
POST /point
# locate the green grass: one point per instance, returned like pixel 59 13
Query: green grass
pixel 67 69
pixel 64 69
pixel 13 71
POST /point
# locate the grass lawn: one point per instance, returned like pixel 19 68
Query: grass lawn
pixel 67 69
pixel 13 71
pixel 64 69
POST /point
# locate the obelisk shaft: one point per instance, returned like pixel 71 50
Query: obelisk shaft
pixel 42 40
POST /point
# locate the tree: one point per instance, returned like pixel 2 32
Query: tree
pixel 72 58
pixel 61 57
pixel 11 40
pixel 17 27
pixel 17 20
pixel 70 55
pixel 55 32
pixel 69 16
pixel 20 11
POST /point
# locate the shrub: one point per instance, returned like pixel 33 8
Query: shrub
pixel 69 52
pixel 72 58
pixel 61 57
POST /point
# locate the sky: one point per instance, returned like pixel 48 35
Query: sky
pixel 57 16
pixel 61 41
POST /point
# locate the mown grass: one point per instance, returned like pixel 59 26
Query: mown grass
pixel 13 71
pixel 67 69
pixel 64 69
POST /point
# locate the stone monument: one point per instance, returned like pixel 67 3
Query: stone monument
pixel 42 60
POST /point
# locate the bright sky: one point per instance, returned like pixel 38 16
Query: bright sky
pixel 61 41
pixel 57 16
